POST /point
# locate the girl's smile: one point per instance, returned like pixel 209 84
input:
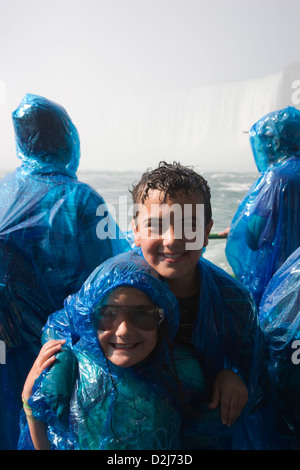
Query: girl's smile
pixel 121 346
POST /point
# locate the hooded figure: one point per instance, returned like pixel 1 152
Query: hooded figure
pixel 280 320
pixel 48 241
pixel 141 407
pixel 265 230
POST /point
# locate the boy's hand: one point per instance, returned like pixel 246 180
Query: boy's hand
pixel 230 392
pixel 45 358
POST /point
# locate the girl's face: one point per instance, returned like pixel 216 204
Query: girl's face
pixel 126 344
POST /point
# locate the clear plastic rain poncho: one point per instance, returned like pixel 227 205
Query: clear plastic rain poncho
pixel 121 408
pixel 280 319
pixel 266 227
pixel 48 240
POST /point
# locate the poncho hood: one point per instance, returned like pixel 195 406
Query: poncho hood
pixel 46 139
pixel 275 137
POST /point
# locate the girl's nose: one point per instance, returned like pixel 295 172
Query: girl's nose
pixel 123 328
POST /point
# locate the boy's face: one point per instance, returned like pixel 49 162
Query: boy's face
pixel 172 252
pixel 126 344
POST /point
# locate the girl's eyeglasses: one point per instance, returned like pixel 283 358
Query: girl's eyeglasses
pixel 108 317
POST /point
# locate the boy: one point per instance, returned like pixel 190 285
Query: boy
pixel 218 316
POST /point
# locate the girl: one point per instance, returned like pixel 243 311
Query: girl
pixel 132 390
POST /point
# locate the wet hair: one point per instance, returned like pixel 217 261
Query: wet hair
pixel 170 179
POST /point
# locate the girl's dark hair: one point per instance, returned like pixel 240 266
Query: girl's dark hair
pixel 172 178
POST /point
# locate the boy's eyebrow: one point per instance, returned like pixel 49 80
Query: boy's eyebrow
pixel 159 218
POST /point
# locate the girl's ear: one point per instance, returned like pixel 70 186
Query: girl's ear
pixel 135 230
pixel 207 232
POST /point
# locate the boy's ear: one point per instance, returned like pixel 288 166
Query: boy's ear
pixel 135 232
pixel 207 232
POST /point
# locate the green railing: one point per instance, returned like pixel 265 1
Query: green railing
pixel 216 236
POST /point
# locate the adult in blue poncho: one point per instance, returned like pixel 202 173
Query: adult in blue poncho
pixel 280 320
pixel 266 227
pixel 48 241
pixel 128 398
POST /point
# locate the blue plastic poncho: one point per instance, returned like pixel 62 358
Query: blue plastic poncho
pixel 48 241
pixel 116 408
pixel 266 227
pixel 280 319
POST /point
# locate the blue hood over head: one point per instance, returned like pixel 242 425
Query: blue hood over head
pixel 46 139
pixel 275 137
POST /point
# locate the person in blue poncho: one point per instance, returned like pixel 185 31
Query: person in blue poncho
pixel 279 313
pixel 48 241
pixel 218 316
pixel 266 227
pixel 136 389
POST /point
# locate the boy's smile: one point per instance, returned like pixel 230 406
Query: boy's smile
pixel 165 248
pixel 171 259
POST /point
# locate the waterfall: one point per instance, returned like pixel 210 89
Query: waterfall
pixel 206 126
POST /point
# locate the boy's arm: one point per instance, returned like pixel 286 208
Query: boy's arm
pixel 237 385
pixel 202 426
pixel 242 378
pixel 244 346
pixel 38 429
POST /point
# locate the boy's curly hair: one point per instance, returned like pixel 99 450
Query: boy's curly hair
pixel 172 178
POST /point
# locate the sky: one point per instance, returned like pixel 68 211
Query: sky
pixel 82 53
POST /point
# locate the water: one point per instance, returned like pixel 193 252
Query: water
pixel 227 191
